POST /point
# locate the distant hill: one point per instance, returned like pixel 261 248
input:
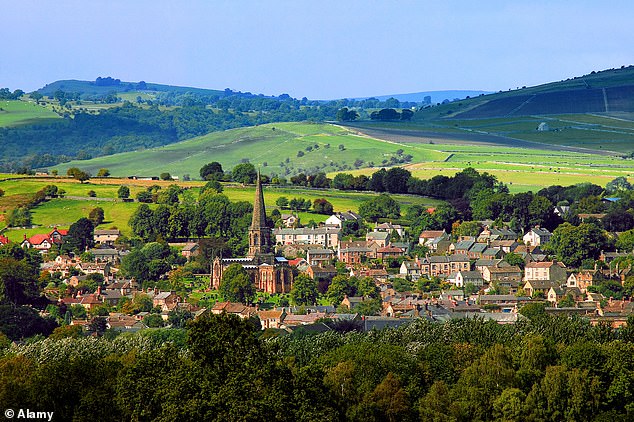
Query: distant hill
pixel 606 91
pixel 436 96
pixel 88 88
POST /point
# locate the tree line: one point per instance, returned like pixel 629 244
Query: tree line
pixel 223 368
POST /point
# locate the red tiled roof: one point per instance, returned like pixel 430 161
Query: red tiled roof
pixel 38 239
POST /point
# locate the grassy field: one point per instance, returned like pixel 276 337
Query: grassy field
pixel 274 147
pixel 15 113
pixel 62 212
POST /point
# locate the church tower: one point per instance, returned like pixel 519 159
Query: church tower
pixel 260 246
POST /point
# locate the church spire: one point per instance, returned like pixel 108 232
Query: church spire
pixel 259 211
pixel 259 233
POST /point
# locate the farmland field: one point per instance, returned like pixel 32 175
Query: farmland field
pixel 62 212
pixel 14 113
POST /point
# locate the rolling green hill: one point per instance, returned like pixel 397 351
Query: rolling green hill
pixel 89 88
pixel 16 113
pixel 524 166
pixel 281 148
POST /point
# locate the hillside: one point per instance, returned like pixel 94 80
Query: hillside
pixel 523 165
pixel 594 112
pixel 280 148
pixel 91 88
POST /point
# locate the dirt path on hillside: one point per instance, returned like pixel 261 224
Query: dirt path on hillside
pixel 415 136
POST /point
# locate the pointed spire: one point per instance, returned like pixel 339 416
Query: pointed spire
pixel 259 211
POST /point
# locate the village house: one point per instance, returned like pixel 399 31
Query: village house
pixel 289 220
pixel 461 278
pixel 546 271
pixel 326 272
pixel 389 251
pixel 351 302
pixel 581 279
pixel 389 228
pixel 327 237
pixel 271 318
pixel 555 294
pixel 165 300
pixel 411 269
pixel 40 242
pixel 106 237
pixel 534 287
pixel 461 247
pixel 432 266
pixel 190 250
pixel 502 273
pixel 102 268
pixel 337 219
pixel 381 238
pixel 320 256
pixel 351 256
pixel 430 238
pixel 232 308
pixel 537 236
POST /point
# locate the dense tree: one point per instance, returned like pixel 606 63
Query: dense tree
pixel 244 173
pixel 383 206
pixel 304 291
pixel 395 180
pixel 344 114
pixel 78 174
pixel 123 192
pixel 211 171
pixel 19 217
pixel 96 216
pixel 236 285
pixel 80 235
pixel 573 244
pixel 322 206
pixel 103 172
pixel 618 184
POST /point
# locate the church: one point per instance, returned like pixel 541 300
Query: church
pixel 270 273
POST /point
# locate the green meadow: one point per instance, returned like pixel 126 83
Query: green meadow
pixel 62 212
pixel 281 148
pixel 15 113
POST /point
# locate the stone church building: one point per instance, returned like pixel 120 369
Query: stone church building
pixel 270 273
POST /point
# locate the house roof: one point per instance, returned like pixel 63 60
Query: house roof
pixel 546 264
pixel 105 232
pixel 38 239
pixel 432 234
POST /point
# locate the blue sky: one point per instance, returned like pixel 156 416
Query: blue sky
pixel 319 49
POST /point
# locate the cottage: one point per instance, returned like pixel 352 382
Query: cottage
pixel 537 236
pixel 389 228
pixel 327 237
pixel 581 280
pixel 106 237
pixel 462 278
pixel 339 218
pixel 320 256
pixel 431 237
pixel 190 250
pixel 549 271
pixel 381 238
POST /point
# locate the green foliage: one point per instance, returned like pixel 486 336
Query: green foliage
pixel 244 173
pixel 573 244
pixel 123 192
pixel 383 206
pixel 96 216
pixel 236 285
pixel 19 217
pixel 304 291
pixel 81 234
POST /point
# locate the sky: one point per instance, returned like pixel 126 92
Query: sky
pixel 320 49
